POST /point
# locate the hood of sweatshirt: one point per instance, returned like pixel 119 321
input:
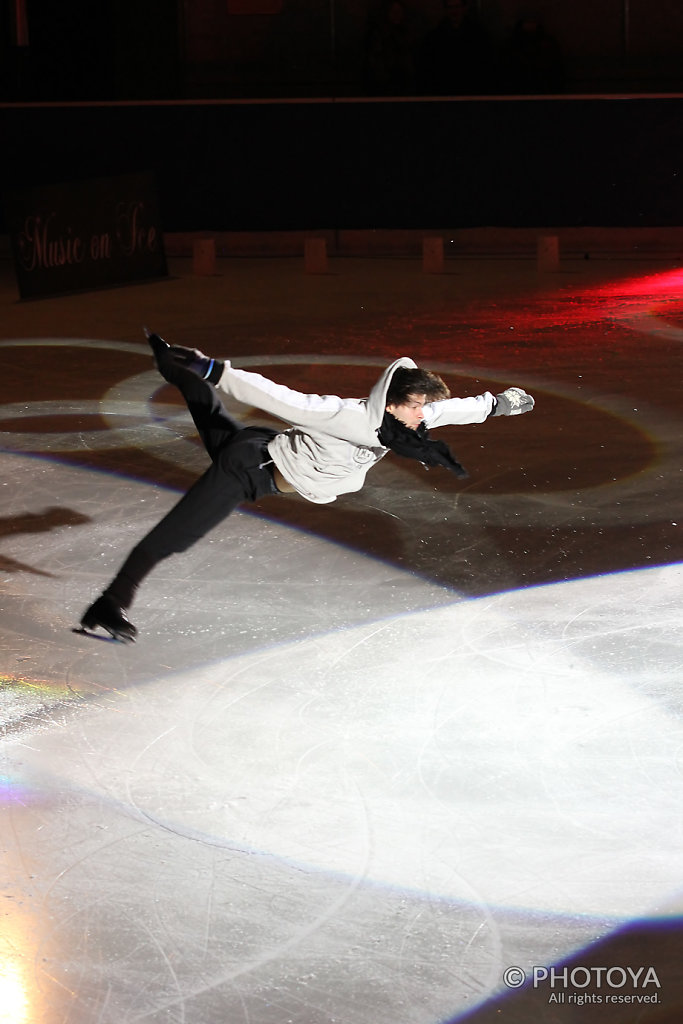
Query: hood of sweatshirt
pixel 377 401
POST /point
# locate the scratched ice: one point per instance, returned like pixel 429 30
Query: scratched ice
pixel 344 818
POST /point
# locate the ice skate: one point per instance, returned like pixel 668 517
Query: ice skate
pixel 105 612
pixel 159 347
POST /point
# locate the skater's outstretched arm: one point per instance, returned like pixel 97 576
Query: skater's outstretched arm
pixel 312 410
pixel 511 402
pixel 352 419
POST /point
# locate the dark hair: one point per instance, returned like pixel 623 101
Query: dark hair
pixel 416 381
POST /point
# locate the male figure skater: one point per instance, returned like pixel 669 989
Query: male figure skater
pixel 327 451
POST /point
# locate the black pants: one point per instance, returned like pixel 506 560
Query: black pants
pixel 240 470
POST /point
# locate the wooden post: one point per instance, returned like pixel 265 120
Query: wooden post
pixel 432 255
pixel 315 256
pixel 548 253
pixel 204 257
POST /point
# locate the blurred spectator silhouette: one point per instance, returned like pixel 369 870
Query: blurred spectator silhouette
pixel 456 57
pixel 390 50
pixel 531 61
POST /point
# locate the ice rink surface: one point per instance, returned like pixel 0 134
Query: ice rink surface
pixel 412 758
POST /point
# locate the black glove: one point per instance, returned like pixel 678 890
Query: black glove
pixel 512 402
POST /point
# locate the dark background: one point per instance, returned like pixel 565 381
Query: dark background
pixel 262 121
pixel 173 49
pixel 415 164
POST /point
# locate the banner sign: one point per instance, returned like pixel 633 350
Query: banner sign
pixel 83 235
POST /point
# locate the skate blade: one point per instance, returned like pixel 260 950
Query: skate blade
pixel 121 638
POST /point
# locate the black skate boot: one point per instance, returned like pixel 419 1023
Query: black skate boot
pixel 105 612
pixel 159 347
pixel 169 368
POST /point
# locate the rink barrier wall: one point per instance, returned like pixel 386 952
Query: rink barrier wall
pixel 575 243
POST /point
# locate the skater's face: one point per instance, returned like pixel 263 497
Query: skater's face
pixel 410 412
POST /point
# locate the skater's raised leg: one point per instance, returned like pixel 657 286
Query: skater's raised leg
pixel 215 426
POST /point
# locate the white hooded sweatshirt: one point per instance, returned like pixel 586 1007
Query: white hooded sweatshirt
pixel 332 442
